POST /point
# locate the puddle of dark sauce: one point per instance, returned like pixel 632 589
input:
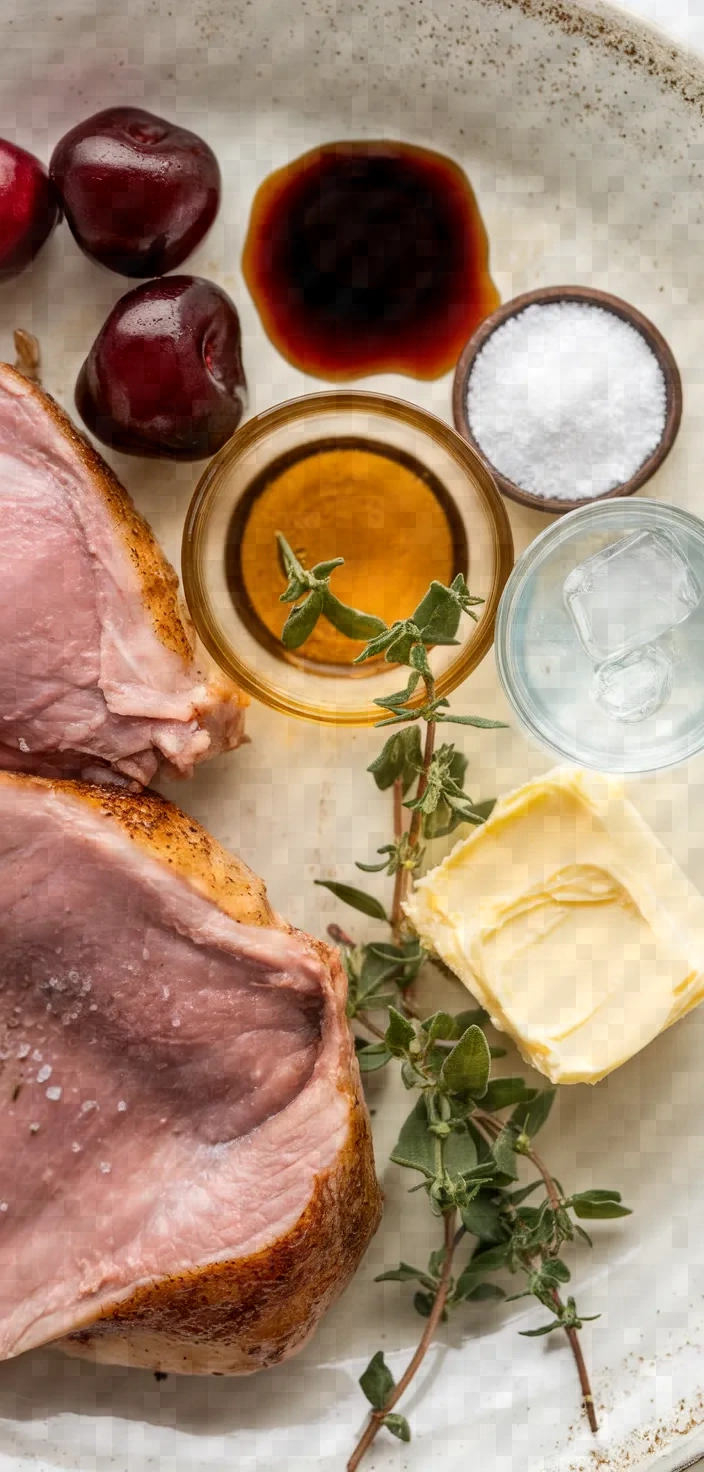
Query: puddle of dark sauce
pixel 391 518
pixel 368 258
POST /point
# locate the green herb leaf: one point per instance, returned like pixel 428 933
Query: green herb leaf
pixel 418 660
pixel 473 1017
pixel 423 1304
pixel 531 1116
pixel 490 1261
pixel 483 1219
pixel 443 819
pixel 555 1270
pixel 485 809
pixel 466 1069
pixel 410 1076
pixel 479 721
pixel 323 570
pixel 460 1153
pixel 546 1329
pixel 399 1033
pixel 598 1210
pixel 401 757
pixel 397 1425
pixel 594 1196
pixel 350 621
pixel 372 1056
pixel 401 697
pixel 438 615
pixel 516 1197
pixel 505 1091
pixel 483 1291
pixel 290 564
pixel 466 600
pixel 395 643
pixel 415 1147
pixel 376 868
pixel 373 976
pixel 354 897
pixel 408 958
pixel 435 597
pixel 400 720
pixel 483 1174
pixel 504 1151
pixel 377 1382
pixel 404 1273
pixel 302 620
pixel 440 1025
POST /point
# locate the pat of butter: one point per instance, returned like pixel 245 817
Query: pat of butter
pixel 571 924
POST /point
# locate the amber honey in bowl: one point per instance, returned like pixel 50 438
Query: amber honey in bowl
pixel 351 474
pixel 389 516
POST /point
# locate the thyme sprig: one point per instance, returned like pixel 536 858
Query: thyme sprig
pixel 429 784
pixel 460 1137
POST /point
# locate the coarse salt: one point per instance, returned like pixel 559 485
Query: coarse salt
pixel 566 400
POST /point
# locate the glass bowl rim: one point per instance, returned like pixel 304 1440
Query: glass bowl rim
pixel 557 532
pixel 205 493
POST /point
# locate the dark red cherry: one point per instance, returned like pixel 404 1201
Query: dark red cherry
pixel 29 208
pixel 164 376
pixel 139 193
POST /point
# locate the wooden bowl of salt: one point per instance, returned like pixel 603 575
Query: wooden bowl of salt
pixel 569 395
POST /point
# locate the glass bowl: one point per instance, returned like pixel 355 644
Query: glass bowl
pixel 600 636
pixel 235 490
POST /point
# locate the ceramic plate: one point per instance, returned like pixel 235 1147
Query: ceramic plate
pixel 583 136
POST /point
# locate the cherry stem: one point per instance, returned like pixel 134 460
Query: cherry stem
pixel 376 1418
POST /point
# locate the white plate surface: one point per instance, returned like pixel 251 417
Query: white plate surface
pixel 584 137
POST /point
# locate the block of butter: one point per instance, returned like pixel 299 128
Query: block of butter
pixel 570 922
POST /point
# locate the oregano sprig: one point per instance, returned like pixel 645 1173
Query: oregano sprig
pixel 310 591
pixel 459 1138
pixel 468 1156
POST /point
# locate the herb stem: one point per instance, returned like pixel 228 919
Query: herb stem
pixel 366 1021
pixel 396 911
pixel 414 830
pixel 376 1418
pixel 584 1382
pixel 550 1187
pixel 492 1128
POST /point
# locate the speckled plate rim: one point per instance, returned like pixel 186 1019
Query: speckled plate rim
pixel 128 1432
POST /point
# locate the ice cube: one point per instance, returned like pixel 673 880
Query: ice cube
pixel 634 686
pixel 630 593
